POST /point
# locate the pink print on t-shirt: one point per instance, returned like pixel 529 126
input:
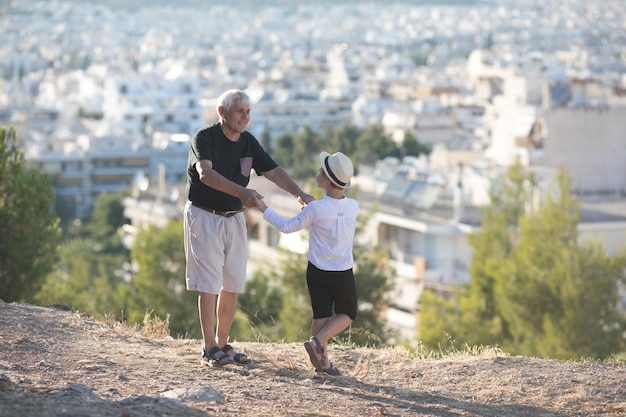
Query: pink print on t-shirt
pixel 246 165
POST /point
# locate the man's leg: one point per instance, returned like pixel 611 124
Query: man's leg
pixel 226 309
pixel 206 310
pixel 212 355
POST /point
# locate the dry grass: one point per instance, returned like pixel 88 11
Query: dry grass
pixel 153 326
pixel 59 363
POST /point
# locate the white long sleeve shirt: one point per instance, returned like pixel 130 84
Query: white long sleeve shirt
pixel 332 224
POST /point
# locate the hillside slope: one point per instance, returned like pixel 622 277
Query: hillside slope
pixel 60 363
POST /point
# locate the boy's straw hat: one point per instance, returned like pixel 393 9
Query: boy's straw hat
pixel 337 168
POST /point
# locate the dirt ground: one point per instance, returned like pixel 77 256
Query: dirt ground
pixel 55 362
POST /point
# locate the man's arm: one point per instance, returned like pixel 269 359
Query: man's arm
pixel 213 179
pixel 280 177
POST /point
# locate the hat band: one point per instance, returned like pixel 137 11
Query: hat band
pixel 332 175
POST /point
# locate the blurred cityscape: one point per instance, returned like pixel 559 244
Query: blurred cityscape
pixel 106 98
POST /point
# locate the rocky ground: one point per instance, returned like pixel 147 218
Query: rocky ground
pixel 55 362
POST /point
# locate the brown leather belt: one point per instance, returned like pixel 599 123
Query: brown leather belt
pixel 219 213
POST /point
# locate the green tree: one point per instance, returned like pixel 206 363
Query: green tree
pixel 260 305
pixel 439 320
pixel 534 289
pixel 265 140
pixel 296 314
pixel 372 273
pixel 345 139
pixel 342 140
pixel 306 151
pixel 91 276
pixel 285 148
pixel 160 279
pixel 562 299
pixel 106 220
pixel 412 147
pixel 29 231
pixel 373 144
pixel 481 321
pixel 86 280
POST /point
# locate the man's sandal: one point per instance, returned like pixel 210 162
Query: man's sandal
pixel 236 357
pixel 315 349
pixel 214 357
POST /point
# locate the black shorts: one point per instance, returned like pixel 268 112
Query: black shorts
pixel 331 288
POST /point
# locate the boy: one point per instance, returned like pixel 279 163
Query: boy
pixel 330 278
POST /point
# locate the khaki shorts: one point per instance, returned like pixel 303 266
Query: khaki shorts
pixel 216 251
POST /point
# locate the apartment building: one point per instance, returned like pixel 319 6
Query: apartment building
pixel 290 114
pixel 85 167
pixel 144 104
pixel 147 123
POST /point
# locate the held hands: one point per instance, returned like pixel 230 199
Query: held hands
pixel 260 204
pixel 250 197
pixel 305 199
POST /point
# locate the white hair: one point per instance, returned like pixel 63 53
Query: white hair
pixel 226 99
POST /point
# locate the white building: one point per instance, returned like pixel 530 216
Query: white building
pixel 288 113
pixel 548 123
pixel 83 167
pixel 149 103
pixel 590 142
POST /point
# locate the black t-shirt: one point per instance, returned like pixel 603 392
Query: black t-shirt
pixel 233 160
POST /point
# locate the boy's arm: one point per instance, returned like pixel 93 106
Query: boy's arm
pixel 298 222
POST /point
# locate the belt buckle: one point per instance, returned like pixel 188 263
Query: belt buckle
pixel 231 213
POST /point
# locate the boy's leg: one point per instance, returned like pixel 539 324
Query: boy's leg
pixel 329 329
pixel 342 288
pixel 318 324
pixel 326 329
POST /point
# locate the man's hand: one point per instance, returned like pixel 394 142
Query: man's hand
pixel 249 197
pixel 305 199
